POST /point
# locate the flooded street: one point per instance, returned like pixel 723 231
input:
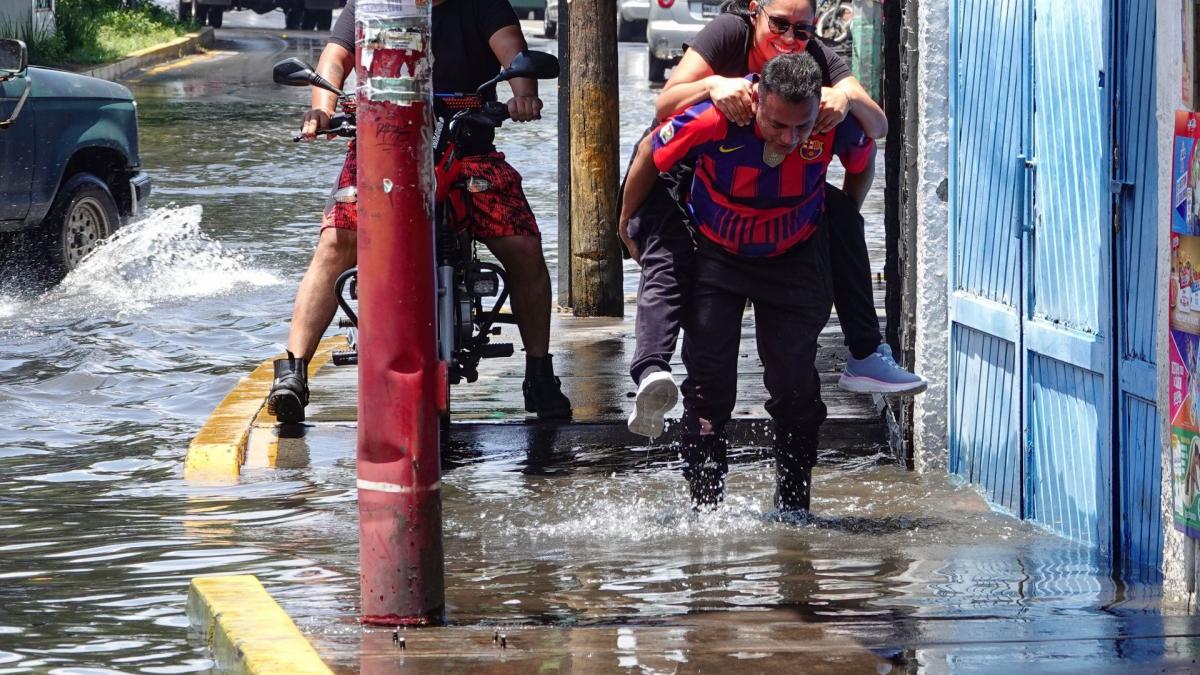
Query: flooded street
pixel 105 379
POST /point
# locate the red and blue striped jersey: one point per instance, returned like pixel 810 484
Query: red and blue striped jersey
pixel 736 199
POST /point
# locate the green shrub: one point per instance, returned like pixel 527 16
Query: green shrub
pixel 89 32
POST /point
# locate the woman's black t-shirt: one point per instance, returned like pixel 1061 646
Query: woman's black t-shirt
pixel 725 44
pixel 462 57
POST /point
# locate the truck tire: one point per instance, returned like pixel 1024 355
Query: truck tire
pixel 310 20
pixel 201 14
pixel 657 72
pixel 324 18
pixel 216 17
pixel 293 18
pixel 185 11
pixel 83 215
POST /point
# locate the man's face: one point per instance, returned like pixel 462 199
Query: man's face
pixel 786 125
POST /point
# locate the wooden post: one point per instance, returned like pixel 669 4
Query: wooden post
pixel 564 155
pixel 595 251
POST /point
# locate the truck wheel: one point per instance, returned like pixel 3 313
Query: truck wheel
pixel 324 18
pixel 293 18
pixel 310 20
pixel 185 11
pixel 216 17
pixel 82 216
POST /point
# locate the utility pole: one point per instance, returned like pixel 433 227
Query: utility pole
pixel 564 155
pixel 595 250
pixel 402 384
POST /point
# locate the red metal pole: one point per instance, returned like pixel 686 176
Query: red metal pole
pixel 401 382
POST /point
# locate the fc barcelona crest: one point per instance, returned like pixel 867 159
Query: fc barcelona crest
pixel 666 133
pixel 812 150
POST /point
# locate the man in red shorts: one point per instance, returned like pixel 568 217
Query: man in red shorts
pixel 471 39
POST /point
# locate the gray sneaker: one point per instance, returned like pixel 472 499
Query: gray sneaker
pixel 880 374
pixel 656 395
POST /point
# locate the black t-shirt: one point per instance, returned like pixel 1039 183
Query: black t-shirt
pixel 725 44
pixel 462 58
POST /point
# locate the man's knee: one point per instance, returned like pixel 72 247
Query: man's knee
pixel 337 247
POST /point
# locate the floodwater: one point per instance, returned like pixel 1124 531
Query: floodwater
pixel 104 379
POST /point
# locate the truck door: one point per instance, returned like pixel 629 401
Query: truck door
pixel 17 145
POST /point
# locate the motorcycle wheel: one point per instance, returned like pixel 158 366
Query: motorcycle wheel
pixel 185 11
pixel 216 17
pixel 831 27
pixel 658 69
pixel 310 20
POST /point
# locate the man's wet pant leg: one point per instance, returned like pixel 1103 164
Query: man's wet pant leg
pixel 851 267
pixel 792 299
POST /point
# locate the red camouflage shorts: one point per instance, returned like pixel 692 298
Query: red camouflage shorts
pixel 500 211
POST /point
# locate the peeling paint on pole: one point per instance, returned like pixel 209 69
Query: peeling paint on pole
pixel 401 379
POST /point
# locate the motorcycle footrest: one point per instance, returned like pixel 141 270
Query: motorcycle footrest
pixel 345 358
pixel 498 351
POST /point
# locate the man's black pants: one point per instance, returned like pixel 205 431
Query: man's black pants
pixel 668 258
pixel 792 297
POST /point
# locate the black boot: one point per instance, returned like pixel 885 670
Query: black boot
pixel 289 391
pixel 543 391
pixel 705 466
pixel 795 456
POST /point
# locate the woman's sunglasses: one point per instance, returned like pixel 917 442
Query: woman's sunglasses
pixel 800 31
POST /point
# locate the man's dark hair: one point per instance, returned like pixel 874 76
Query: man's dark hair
pixel 793 77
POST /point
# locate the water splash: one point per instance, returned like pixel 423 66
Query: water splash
pixel 162 258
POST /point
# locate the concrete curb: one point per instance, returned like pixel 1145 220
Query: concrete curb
pixel 246 631
pixel 177 48
pixel 217 452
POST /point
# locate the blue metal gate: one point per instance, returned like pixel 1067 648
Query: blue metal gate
pixel 1135 173
pixel 1034 404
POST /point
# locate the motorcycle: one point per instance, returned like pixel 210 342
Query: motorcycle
pixel 466 325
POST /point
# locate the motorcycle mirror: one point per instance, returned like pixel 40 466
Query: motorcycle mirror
pixel 528 63
pixel 295 73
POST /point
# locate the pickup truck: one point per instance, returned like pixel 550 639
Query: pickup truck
pixel 298 14
pixel 70 174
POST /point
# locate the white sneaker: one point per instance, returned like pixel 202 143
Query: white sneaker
pixel 656 395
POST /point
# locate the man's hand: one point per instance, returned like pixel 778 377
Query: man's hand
pixel 315 120
pixel 734 97
pixel 835 105
pixel 525 108
pixel 630 244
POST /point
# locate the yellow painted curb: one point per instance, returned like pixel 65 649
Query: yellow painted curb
pixel 247 631
pixel 219 448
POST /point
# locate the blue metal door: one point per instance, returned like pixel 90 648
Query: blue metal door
pixel 1031 306
pixel 990 111
pixel 1067 309
pixel 1135 176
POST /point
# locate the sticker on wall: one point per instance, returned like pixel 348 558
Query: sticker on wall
pixel 1183 296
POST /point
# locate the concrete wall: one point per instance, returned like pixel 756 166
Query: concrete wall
pixel 930 410
pixel 1178 558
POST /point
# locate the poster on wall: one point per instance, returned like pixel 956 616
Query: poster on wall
pixel 1183 292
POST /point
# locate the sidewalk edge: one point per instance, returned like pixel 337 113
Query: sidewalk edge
pixel 246 630
pixel 177 48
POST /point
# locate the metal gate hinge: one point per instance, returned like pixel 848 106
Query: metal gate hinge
pixel 1116 185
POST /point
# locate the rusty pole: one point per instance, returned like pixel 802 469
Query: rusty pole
pixel 402 384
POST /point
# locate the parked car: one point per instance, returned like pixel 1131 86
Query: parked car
pixel 69 167
pixel 631 19
pixel 671 24
pixel 298 14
